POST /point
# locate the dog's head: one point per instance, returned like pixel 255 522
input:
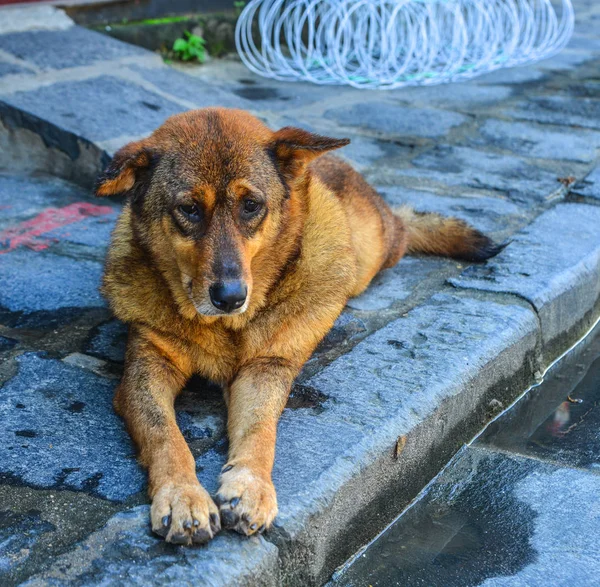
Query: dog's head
pixel 210 194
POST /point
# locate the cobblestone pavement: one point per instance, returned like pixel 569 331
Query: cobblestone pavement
pixel 412 369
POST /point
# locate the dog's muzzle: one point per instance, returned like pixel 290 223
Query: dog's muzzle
pixel 228 296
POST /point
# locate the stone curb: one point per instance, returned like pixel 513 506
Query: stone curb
pixel 554 264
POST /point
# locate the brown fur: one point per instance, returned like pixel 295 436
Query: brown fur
pixel 321 235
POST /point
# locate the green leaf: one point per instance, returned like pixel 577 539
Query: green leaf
pixel 180 45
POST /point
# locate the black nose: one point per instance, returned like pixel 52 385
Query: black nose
pixel 229 295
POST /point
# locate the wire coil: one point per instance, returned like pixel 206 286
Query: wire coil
pixel 393 43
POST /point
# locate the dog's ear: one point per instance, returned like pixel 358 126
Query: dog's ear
pixel 128 169
pixel 295 148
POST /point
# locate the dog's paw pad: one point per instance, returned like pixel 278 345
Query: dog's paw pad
pixel 184 514
pixel 247 502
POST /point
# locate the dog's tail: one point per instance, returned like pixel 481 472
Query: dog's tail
pixel 433 234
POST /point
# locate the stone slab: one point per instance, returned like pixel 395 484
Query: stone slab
pixel 477 169
pixel 10 69
pixel 34 529
pixel 95 109
pixel 73 47
pixel 60 431
pixel 40 281
pixel 334 464
pixel 590 186
pixel 399 283
pixel 33 18
pixel 532 141
pixel 554 264
pixel 494 521
pixel 124 552
pixel 559 110
pixel 186 87
pixel 390 119
pixel 511 76
pixel 463 97
pixel 22 197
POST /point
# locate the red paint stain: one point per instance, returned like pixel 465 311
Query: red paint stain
pixel 29 233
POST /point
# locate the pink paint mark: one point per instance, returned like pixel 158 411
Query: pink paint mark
pixel 28 233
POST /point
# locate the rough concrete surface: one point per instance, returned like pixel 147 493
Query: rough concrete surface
pixel 412 369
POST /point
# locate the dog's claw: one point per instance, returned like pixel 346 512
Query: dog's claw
pixel 246 501
pixel 191 514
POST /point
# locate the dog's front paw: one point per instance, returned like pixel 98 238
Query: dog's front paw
pixel 247 501
pixel 184 514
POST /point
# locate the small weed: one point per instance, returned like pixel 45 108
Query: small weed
pixel 238 6
pixel 190 47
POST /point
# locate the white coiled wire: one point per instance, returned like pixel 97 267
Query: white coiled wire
pixel 388 44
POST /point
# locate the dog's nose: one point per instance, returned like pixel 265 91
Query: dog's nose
pixel 229 295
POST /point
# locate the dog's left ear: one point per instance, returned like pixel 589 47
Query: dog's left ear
pixel 295 148
pixel 127 168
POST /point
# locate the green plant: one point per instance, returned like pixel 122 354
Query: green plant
pixel 238 6
pixel 190 47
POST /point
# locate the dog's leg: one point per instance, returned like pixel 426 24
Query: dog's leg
pixel 182 511
pixel 257 396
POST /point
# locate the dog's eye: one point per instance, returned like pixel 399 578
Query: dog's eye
pixel 191 212
pixel 251 206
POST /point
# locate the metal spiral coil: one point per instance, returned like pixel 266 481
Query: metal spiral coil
pixel 388 44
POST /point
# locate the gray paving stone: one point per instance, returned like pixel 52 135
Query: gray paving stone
pixel 40 281
pixel 22 197
pixel 511 76
pixel 124 552
pixel 200 93
pixel 491 520
pixel 19 532
pixel 329 465
pixel 59 49
pixel 399 283
pixel 95 109
pixel 554 264
pixel 559 110
pixel 531 141
pixel 590 186
pixel 464 96
pixel 565 60
pixel 67 434
pixel 32 18
pixel 477 169
pixel 93 231
pixel 390 119
pixel 34 528
pixel 10 68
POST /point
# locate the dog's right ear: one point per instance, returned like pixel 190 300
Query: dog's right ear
pixel 128 168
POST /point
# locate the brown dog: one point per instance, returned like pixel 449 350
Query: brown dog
pixel 236 251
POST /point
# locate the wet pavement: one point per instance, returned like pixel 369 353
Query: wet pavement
pixel 519 506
